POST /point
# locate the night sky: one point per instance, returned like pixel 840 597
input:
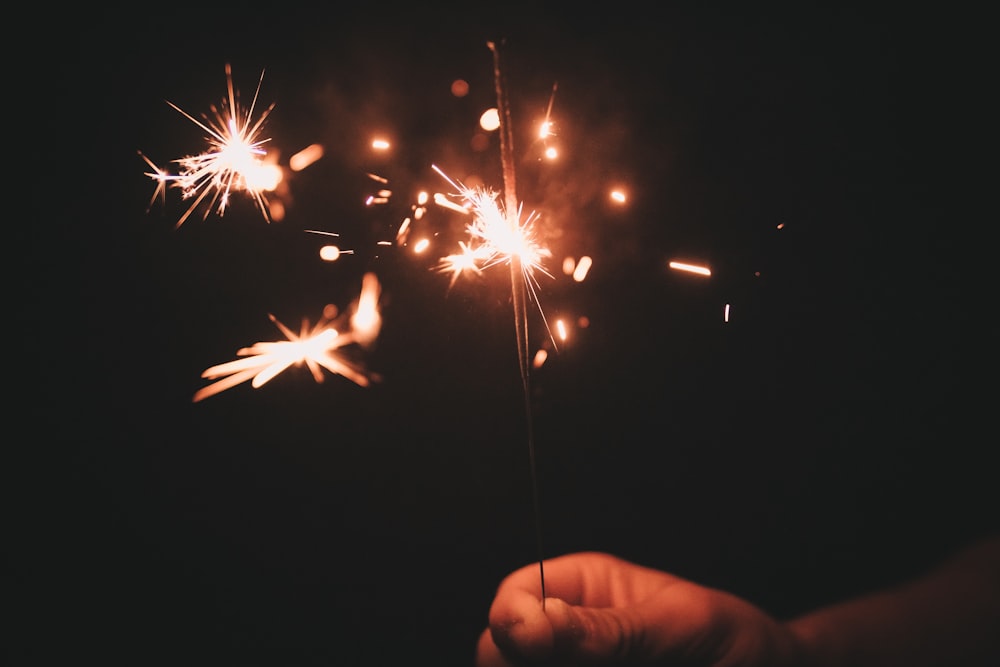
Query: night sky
pixel 829 438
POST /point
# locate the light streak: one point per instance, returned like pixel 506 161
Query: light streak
pixel 582 268
pixel 305 157
pixel 691 268
pixel 232 162
pixel 329 253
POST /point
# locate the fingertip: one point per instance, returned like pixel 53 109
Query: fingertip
pixel 520 628
pixel 487 653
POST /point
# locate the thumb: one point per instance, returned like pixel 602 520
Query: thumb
pixel 597 635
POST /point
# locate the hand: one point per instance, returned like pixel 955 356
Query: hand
pixel 602 610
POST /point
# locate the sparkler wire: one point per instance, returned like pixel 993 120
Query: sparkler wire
pixel 518 290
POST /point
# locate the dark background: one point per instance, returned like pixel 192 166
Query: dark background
pixel 832 437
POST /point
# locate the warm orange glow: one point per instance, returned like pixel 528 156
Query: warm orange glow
pixel 540 357
pixel 329 253
pixel 421 246
pixel 442 200
pixel 551 153
pixel 277 210
pixel 381 197
pixel 404 231
pixel 366 322
pixel 380 144
pixel 561 329
pixel 691 268
pixel 490 120
pixel 582 268
pixel 459 88
pixel 618 196
pixel 305 157
pixel 469 259
pixel 264 177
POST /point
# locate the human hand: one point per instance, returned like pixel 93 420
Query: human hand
pixel 601 610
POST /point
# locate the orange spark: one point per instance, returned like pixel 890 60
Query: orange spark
pixel 691 268
pixel 305 157
pixel 233 161
pixel 318 346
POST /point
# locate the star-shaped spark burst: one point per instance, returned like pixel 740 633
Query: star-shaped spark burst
pixel 318 346
pixel 496 236
pixel 233 161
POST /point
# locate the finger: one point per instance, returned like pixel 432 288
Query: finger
pixel 568 577
pixel 601 636
pixel 519 627
pixel 487 653
pixel 668 627
pixel 591 579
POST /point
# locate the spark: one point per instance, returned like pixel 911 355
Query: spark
pixel 232 162
pixel 490 120
pixel 317 346
pixel 305 157
pixel 496 237
pixel 691 268
pixel 467 260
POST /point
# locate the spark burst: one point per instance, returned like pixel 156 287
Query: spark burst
pixel 318 346
pixel 232 162
pixel 496 237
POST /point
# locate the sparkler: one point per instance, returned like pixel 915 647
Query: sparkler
pixel 232 162
pixel 318 346
pixel 519 271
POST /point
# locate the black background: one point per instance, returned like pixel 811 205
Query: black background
pixel 832 437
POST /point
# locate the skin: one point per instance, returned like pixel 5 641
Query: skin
pixel 601 610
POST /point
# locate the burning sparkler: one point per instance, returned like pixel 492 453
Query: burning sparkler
pixel 497 236
pixel 232 162
pixel 318 346
pixel 505 238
